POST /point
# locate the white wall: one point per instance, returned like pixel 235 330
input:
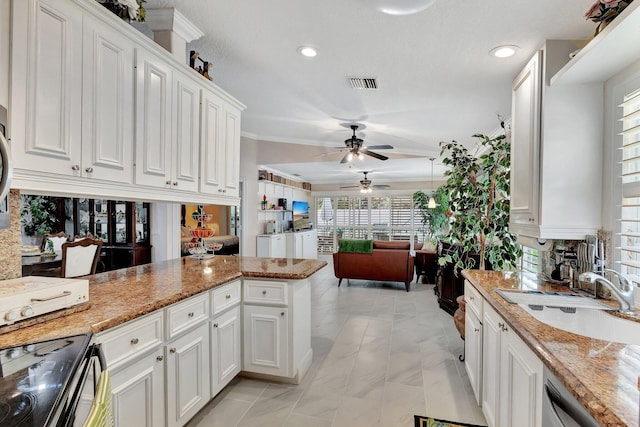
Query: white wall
pixel 249 175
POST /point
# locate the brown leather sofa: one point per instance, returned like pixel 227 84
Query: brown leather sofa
pixel 390 261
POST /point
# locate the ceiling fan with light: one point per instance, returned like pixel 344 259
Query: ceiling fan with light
pixel 365 185
pixel 356 150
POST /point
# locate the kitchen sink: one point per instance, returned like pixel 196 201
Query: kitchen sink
pixel 589 322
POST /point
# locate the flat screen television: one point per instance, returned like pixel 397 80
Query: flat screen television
pixel 300 215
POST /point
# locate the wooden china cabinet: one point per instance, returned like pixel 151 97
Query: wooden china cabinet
pixel 123 226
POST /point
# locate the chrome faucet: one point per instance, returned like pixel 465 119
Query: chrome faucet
pixel 623 294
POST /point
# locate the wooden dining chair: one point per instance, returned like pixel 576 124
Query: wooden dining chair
pixel 80 257
pixel 58 239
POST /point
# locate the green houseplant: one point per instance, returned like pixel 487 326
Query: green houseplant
pixel 478 188
pixel 434 221
pixel 38 215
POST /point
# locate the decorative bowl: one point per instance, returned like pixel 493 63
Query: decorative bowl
pixel 197 250
pixel 201 217
pixel 215 246
pixel 202 232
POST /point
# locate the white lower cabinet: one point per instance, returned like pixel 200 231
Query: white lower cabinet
pixel 272 246
pixel 226 356
pixel 277 328
pixel 138 392
pixel 188 377
pixel 473 352
pixel 266 340
pixel 511 378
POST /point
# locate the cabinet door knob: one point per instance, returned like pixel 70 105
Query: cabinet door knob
pixel 228 297
pixel 134 341
pixel 172 350
pixel 190 314
pixel 264 292
pixel 215 325
pixel 89 170
pixel 282 313
pixel 500 325
pixel 160 358
pixel 75 168
pixel 471 297
pixel 476 330
pixel 168 182
pixel 175 183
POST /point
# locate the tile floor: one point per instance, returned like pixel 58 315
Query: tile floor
pixel 380 356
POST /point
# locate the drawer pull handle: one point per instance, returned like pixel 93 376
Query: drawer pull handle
pixel 172 350
pixel 135 341
pixel 215 325
pixel 63 294
pixel 228 297
pixel 75 168
pixel 264 292
pixel 190 314
pixel 282 313
pixel 160 358
pixel 476 330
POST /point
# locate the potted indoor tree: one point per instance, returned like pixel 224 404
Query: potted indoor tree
pixel 38 216
pixel 478 188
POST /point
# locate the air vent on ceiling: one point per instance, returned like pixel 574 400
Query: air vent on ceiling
pixel 363 82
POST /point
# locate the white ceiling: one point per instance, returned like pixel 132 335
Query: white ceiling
pixel 436 79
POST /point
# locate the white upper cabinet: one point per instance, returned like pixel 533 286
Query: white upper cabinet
pixel 107 103
pixel 556 150
pixel 186 132
pixel 153 120
pixel 46 86
pixel 75 88
pixel 96 104
pixel 220 145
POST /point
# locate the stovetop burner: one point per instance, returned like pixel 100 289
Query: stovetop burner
pixel 18 408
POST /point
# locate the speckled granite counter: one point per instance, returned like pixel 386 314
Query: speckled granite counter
pixel 122 295
pixel 602 375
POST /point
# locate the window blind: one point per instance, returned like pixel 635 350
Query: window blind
pixel 630 209
pixel 530 260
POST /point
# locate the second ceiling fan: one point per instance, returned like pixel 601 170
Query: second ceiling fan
pixel 365 185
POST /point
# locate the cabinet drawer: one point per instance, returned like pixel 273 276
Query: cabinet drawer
pixel 225 297
pixel 131 339
pixel 186 314
pixel 473 299
pixel 265 292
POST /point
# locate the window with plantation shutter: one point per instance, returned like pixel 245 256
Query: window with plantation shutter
pixel 630 209
pixel 530 260
pixel 368 217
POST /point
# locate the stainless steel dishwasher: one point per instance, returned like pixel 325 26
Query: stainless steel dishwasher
pixel 560 408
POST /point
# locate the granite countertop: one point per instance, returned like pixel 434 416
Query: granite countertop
pixel 602 375
pixel 118 296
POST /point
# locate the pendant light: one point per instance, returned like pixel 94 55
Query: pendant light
pixel 432 202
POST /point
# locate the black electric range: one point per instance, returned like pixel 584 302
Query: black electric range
pixel 36 379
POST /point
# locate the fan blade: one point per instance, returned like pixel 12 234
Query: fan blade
pixel 379 147
pixel 330 152
pixel 381 186
pixel 345 159
pixel 351 186
pixel 372 154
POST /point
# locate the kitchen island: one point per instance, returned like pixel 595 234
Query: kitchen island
pixel 602 375
pixel 118 296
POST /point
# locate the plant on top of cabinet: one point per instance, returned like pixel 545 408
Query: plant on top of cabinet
pixel 129 10
pixel 478 186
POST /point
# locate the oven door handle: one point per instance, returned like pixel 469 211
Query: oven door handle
pixel 95 350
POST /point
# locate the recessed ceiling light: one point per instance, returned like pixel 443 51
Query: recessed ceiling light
pixel 503 51
pixel 307 51
pixel 402 7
